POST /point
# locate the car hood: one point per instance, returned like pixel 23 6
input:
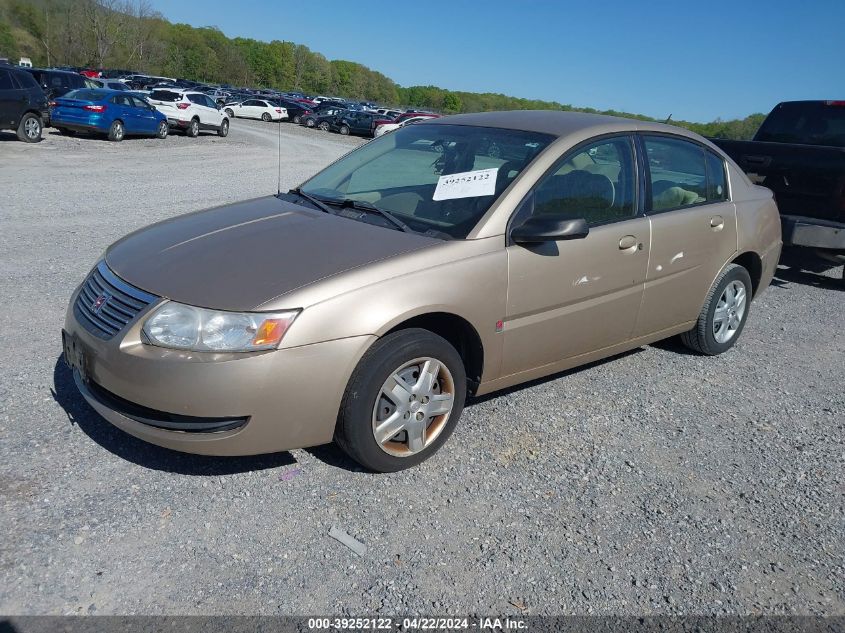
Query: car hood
pixel 242 255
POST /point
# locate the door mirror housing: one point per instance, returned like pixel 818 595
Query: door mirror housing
pixel 537 229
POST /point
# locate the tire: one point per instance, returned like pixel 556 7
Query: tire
pixel 297 119
pixel 30 128
pixel 229 113
pixel 266 117
pixel 117 131
pixel 194 128
pixel 712 338
pixel 223 130
pixel 323 126
pixel 162 130
pixel 365 404
pixel 309 122
pixel 344 129
pixel 66 132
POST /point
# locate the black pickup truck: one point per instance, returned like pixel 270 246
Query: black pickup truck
pixel 799 153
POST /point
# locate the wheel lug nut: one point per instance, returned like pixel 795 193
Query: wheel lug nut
pixel 419 416
pixel 425 400
pixel 407 414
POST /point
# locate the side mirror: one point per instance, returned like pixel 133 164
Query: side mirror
pixel 538 229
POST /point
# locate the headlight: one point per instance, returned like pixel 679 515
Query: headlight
pixel 184 327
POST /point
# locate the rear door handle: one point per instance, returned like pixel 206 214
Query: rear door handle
pixel 627 243
pixel 717 222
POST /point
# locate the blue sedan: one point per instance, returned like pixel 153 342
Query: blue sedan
pixel 108 112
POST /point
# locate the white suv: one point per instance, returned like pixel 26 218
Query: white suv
pixel 190 111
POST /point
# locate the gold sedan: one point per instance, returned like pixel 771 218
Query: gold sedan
pixel 450 258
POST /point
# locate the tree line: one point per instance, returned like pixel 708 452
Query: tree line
pixel 128 34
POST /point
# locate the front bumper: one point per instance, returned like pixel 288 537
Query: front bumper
pixel 210 403
pixel 813 232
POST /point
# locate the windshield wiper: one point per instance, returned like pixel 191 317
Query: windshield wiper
pixel 361 205
pixel 315 201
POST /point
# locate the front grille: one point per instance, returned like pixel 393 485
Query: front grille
pixel 106 303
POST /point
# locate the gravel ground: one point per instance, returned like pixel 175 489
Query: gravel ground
pixel 656 482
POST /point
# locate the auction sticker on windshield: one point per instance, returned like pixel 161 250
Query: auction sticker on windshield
pixel 468 184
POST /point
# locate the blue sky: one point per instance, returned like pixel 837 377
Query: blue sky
pixel 697 60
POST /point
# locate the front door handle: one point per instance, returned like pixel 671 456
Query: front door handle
pixel 627 243
pixel 717 222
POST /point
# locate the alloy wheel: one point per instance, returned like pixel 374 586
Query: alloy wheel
pixel 32 128
pixel 730 310
pixel 413 406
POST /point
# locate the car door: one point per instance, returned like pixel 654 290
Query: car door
pixel 215 112
pixel 576 296
pixel 693 229
pixel 147 120
pixel 125 111
pixel 12 100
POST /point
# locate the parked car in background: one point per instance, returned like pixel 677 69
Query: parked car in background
pixel 256 109
pixel 384 128
pixel 634 251
pixel 391 114
pixel 799 153
pixel 108 84
pixel 296 110
pixel 358 123
pixel 190 111
pixel 322 119
pixel 88 72
pixel 23 105
pixel 56 83
pixel 111 112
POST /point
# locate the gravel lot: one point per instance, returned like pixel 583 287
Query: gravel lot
pixel 656 482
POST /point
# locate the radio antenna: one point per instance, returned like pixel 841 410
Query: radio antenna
pixel 279 176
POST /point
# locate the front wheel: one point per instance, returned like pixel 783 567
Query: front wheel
pixel 724 314
pixel 309 122
pixel 223 130
pixel 265 117
pixel 162 130
pixel 116 131
pixel 344 129
pixel 29 128
pixel 402 402
pixel 297 119
pixel 323 126
pixel 229 113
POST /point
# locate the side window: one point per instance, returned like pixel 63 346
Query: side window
pixel 210 103
pixel 56 81
pixel 717 188
pixel 5 80
pixel 249 102
pixel 139 103
pixel 597 182
pixel 678 173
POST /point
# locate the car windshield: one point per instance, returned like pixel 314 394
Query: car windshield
pixel 434 178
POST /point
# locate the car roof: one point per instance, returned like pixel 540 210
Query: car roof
pixel 555 122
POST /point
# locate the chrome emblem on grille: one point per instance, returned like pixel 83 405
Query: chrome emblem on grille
pixel 99 302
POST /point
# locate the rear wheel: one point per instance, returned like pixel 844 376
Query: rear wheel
pixel 309 122
pixel 402 402
pixel 265 117
pixel 162 130
pixel 344 129
pixel 223 130
pixel 229 113
pixel 297 119
pixel 194 128
pixel 324 126
pixel 29 128
pixel 724 314
pixel 117 131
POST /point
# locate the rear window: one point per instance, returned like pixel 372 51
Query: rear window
pixel 86 94
pixel 809 123
pixel 165 95
pixel 26 80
